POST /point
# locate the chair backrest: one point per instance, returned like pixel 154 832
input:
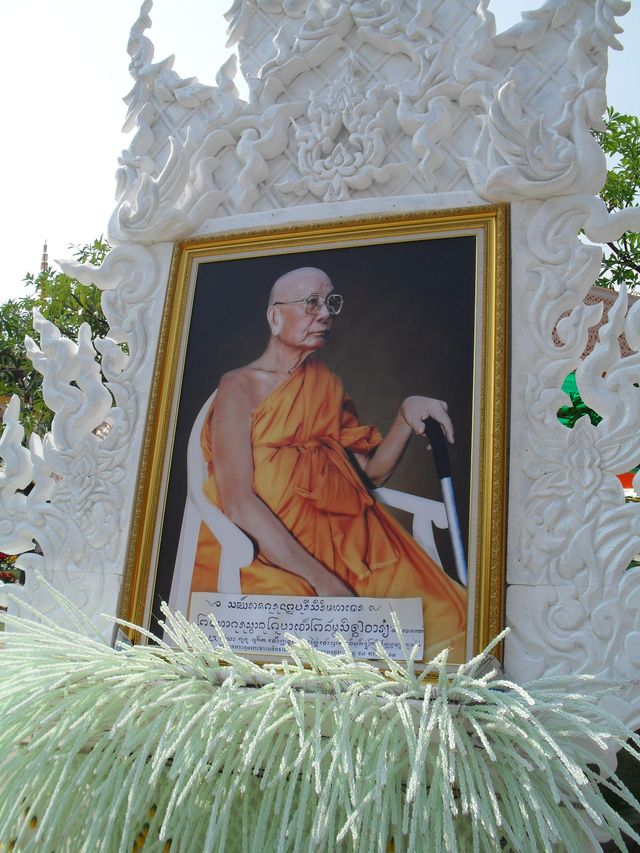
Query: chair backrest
pixel 236 548
pixel 196 464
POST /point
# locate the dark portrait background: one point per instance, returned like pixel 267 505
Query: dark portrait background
pixel 406 328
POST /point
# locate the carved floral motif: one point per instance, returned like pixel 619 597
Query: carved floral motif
pixel 343 146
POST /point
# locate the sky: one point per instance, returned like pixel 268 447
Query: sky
pixel 65 71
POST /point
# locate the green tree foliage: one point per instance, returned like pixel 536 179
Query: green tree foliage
pixel 65 302
pixel 620 140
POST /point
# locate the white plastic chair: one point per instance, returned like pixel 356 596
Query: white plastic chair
pixel 237 550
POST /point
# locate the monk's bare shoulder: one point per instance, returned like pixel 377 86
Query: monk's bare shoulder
pixel 235 382
pixel 236 379
pixel 243 388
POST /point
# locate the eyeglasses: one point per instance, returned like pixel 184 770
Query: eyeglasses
pixel 313 304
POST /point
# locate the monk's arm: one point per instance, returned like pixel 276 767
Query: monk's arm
pixel 380 464
pixel 233 464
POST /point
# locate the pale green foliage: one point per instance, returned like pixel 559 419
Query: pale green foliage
pixel 101 749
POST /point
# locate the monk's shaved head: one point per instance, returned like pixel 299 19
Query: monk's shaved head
pixel 292 284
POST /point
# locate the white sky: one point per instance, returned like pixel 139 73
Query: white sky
pixel 65 71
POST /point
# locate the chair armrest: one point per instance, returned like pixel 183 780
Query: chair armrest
pixel 424 508
pixel 426 513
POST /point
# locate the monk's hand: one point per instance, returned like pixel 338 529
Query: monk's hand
pixel 331 586
pixel 415 411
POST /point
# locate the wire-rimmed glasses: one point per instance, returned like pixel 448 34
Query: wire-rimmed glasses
pixel 313 303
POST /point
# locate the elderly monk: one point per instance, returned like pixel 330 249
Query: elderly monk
pixel 288 462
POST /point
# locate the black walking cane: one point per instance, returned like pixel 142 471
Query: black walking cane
pixel 441 456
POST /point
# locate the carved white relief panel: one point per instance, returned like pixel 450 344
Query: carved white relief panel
pixel 354 108
pixel 572 536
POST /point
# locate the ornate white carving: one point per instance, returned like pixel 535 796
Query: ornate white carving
pixel 344 146
pixel 76 502
pixel 535 156
pixel 78 512
pixel 583 462
pixel 571 534
pixel 20 467
pixel 555 14
pixel 369 107
pixel 199 152
pixel 94 594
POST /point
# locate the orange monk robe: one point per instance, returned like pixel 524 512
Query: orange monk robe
pixel 301 434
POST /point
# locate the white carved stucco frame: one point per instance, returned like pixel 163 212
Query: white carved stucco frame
pixel 371 108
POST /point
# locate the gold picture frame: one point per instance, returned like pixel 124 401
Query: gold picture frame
pixel 429 259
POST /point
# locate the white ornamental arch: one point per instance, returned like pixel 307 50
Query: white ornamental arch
pixel 357 108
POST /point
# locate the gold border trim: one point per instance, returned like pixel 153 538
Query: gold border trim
pixel 492 407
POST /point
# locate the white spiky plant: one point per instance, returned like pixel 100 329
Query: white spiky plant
pixel 185 747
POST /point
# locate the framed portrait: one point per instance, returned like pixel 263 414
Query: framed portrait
pixel 285 486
